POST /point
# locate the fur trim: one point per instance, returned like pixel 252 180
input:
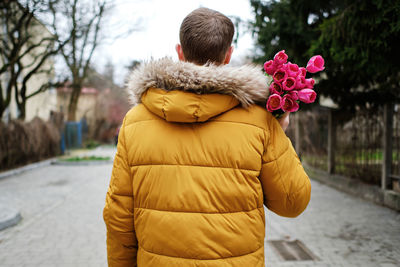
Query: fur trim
pixel 246 83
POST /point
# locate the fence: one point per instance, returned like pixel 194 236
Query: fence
pixel 364 145
pixel 309 134
pixel 359 150
pixel 395 168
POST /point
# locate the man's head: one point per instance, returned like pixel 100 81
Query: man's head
pixel 205 36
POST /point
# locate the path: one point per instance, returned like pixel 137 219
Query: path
pixel 62 223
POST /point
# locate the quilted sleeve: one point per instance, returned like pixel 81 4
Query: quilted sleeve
pixel 286 186
pixel 118 211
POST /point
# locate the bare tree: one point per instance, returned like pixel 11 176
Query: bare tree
pixel 77 23
pixel 25 47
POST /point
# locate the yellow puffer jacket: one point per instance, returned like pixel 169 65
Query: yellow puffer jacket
pixel 196 162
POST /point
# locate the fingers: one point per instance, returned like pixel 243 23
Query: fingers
pixel 284 121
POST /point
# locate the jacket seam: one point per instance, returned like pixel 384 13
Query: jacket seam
pixel 286 150
pixel 280 178
pixel 111 230
pixel 200 212
pixel 163 108
pixel 221 258
pixel 189 165
pixel 211 120
pixel 290 194
pixel 276 163
pixel 122 195
pixel 239 122
pixel 300 189
pixel 123 144
pixel 196 112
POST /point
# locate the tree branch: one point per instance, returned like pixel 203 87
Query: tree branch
pixel 74 34
pixel 97 28
pixel 41 89
pixel 85 39
pixel 38 66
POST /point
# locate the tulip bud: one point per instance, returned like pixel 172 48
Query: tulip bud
pixel 315 64
pixel 274 102
pixel 289 104
pixel 289 83
pixel 269 67
pixel 280 58
pixel 307 95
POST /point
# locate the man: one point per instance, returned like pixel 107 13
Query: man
pixel 198 158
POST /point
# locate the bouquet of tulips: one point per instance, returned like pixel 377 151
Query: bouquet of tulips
pixel 290 85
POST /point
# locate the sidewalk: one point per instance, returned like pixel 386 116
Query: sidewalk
pixel 62 223
pixel 9 215
pixel 341 230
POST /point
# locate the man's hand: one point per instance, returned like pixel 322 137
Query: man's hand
pixel 284 121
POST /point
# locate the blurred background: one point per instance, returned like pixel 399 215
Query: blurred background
pixel 64 63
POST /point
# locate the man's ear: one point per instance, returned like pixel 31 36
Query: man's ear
pixel 228 55
pixel 179 50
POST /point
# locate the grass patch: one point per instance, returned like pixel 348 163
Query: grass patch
pixel 90 144
pixel 86 158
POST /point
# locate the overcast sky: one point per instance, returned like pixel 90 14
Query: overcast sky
pixel 158 33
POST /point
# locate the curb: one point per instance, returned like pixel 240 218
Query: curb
pixel 8 217
pixel 51 161
pixel 81 163
pixel 26 168
pixel 388 198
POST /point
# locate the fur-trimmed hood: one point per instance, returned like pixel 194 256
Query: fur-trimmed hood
pixel 246 83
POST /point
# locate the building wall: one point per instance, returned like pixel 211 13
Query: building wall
pixel 41 104
pixel 86 105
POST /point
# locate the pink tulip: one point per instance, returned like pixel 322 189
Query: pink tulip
pixel 284 67
pixel 275 88
pixel 292 69
pixel 289 83
pixel 300 82
pixel 280 58
pixel 269 67
pixel 302 71
pixel 279 75
pixel 289 104
pixel 315 64
pixel 274 102
pixel 310 83
pixel 307 95
pixel 294 94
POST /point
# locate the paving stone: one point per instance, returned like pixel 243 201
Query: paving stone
pixel 63 226
pixel 341 230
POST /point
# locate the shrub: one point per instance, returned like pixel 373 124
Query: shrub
pixel 26 142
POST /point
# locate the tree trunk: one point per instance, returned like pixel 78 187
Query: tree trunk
pixel 2 109
pixel 331 142
pixel 22 110
pixel 73 102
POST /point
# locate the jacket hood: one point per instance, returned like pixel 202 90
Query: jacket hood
pixel 185 92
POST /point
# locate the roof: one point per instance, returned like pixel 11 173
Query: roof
pixel 85 90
